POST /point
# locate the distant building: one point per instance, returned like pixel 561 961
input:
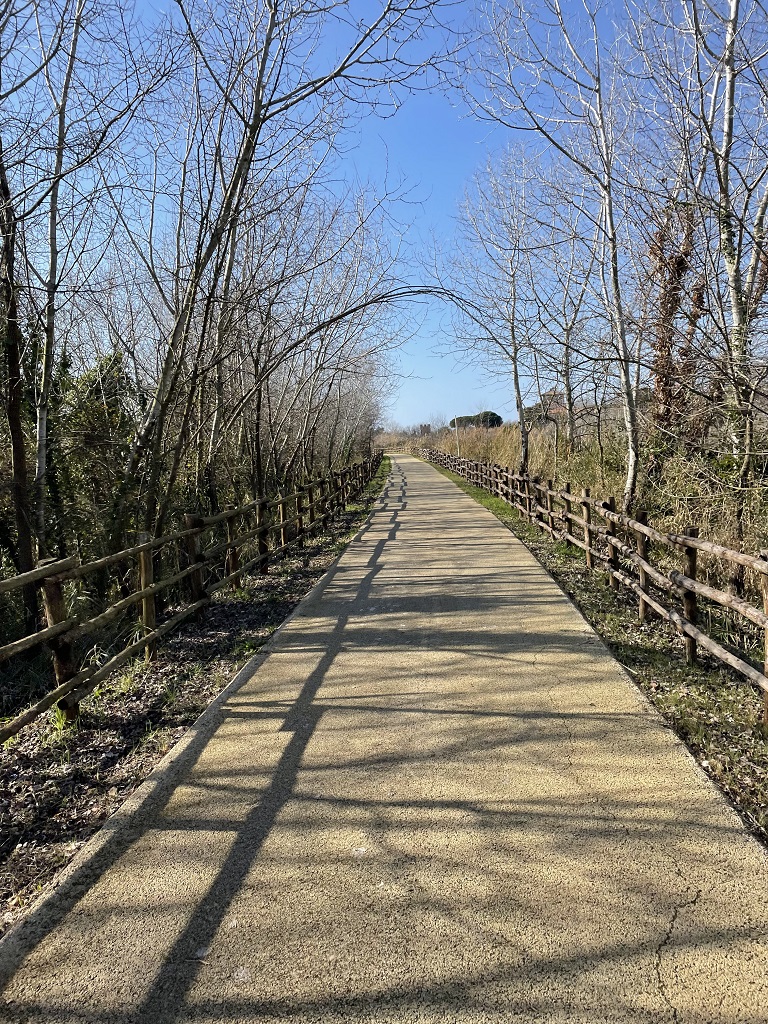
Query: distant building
pixel 424 429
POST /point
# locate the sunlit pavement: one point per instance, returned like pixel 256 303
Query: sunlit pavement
pixel 436 798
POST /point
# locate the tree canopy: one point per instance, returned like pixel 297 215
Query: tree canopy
pixel 480 419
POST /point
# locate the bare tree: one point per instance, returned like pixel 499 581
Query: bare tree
pixel 558 77
pixel 259 89
pixel 706 66
pixel 491 278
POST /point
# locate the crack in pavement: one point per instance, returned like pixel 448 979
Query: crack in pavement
pixel 676 911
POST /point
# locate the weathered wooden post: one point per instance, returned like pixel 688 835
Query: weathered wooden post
pixel 148 609
pixel 689 598
pixel 61 649
pixel 613 558
pixel 325 501
pixel 192 544
pixel 550 509
pixel 283 522
pixel 567 503
pixel 233 556
pixel 587 527
pixel 764 587
pixel 300 517
pixel 311 504
pixel 537 520
pixel 641 543
pixel 262 536
pixel 343 489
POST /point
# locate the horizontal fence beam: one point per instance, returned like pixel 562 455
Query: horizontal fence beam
pixel 209 569
pixel 604 546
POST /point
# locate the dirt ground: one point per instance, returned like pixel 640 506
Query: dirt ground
pixel 59 782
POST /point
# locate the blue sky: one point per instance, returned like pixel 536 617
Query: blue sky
pixel 435 147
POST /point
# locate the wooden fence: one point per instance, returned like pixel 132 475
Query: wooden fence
pixel 210 553
pixel 623 547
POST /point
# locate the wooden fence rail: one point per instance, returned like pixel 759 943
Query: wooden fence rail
pixel 250 537
pixel 622 545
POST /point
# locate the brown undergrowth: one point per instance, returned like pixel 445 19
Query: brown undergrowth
pixel 717 714
pixel 60 782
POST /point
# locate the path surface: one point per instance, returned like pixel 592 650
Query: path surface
pixel 437 798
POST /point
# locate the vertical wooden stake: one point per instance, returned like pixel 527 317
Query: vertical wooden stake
pixel 537 520
pixel 550 509
pixel 764 585
pixel 587 528
pixel 192 544
pixel 233 557
pixel 325 500
pixel 567 503
pixel 689 598
pixel 641 542
pixel 148 610
pixel 63 656
pixel 283 524
pixel 311 505
pixel 300 517
pixel 613 560
pixel 262 537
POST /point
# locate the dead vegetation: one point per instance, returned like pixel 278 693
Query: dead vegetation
pixel 59 782
pixel 717 714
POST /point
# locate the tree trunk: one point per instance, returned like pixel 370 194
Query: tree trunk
pixel 14 341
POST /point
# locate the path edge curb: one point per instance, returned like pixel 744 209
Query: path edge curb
pixel 73 880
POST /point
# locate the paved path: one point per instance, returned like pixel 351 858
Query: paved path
pixel 436 798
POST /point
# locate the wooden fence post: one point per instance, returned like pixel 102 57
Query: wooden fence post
pixel 567 503
pixel 283 524
pixel 689 598
pixel 537 520
pixel 233 556
pixel 311 505
pixel 326 491
pixel 550 510
pixel 613 560
pixel 148 610
pixel 262 536
pixel 192 545
pixel 587 528
pixel 300 517
pixel 764 583
pixel 63 656
pixel 641 543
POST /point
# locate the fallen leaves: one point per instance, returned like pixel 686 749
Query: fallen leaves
pixel 58 786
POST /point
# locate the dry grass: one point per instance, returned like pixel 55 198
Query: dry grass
pixel 715 712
